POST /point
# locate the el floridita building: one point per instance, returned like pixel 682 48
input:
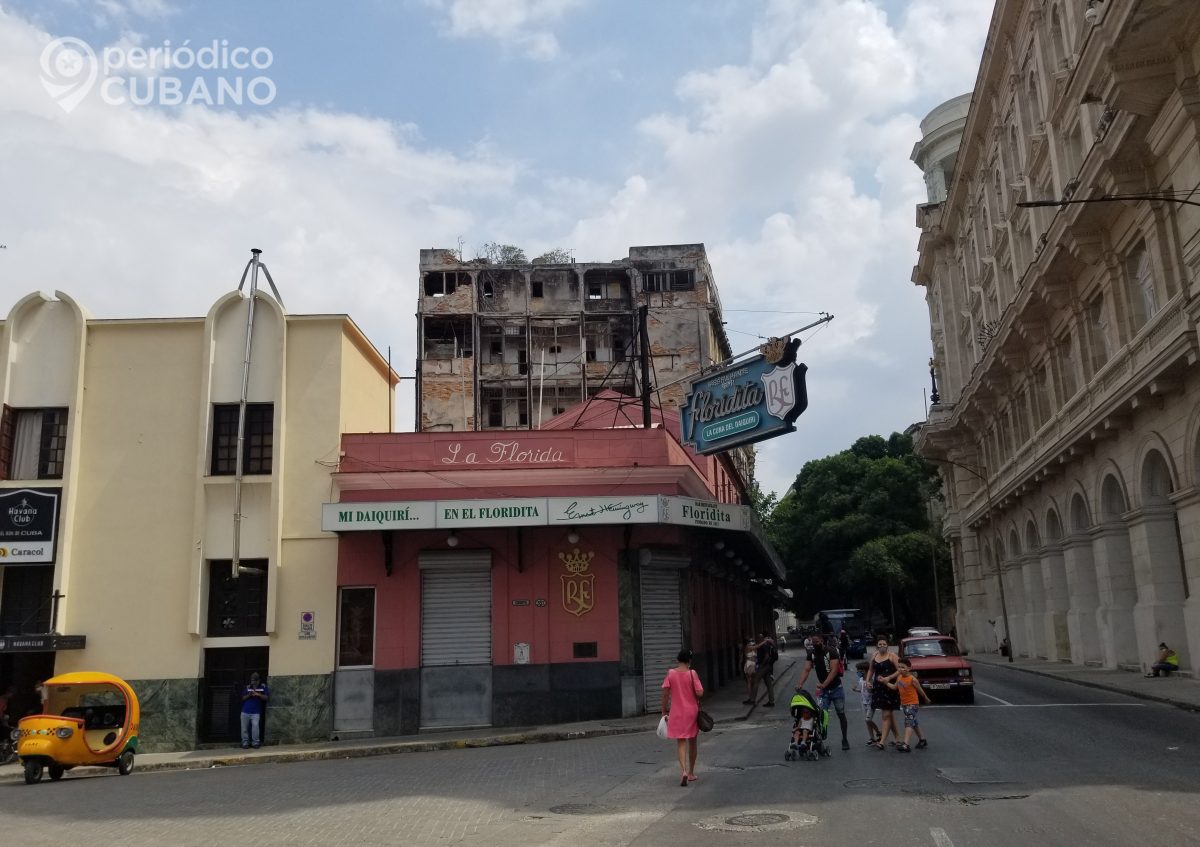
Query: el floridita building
pixel 1064 337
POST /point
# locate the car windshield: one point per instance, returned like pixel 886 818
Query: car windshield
pixel 931 647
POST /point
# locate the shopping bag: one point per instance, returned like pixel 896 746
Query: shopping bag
pixel 704 721
pixel 662 727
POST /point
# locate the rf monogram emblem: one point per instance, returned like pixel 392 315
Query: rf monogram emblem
pixel 577 585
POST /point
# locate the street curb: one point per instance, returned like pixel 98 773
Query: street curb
pixel 389 749
pixel 363 752
pixel 1100 686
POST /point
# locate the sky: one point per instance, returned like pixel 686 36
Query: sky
pixel 776 132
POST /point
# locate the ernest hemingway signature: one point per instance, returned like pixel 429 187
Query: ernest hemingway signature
pixel 626 510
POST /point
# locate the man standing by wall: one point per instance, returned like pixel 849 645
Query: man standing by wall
pixel 254 702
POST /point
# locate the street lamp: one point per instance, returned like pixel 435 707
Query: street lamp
pixel 980 473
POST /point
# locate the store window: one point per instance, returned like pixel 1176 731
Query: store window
pixel 356 627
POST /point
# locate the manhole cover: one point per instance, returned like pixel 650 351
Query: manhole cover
pixel 757 820
pixel 581 809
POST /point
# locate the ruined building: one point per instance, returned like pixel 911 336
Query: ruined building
pixel 511 346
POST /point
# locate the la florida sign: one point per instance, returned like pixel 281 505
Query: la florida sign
pixel 747 402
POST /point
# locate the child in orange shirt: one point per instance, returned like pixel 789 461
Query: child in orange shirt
pixel 911 693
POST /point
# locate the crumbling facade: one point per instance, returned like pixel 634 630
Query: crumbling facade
pixel 510 346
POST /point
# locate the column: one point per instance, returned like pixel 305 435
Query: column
pixel 1118 595
pixel 1187 507
pixel 1035 606
pixel 1055 632
pixel 1014 597
pixel 1158 571
pixel 974 632
pixel 1084 600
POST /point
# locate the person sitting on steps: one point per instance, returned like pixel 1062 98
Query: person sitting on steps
pixel 1167 661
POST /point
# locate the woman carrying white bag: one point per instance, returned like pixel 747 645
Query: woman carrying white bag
pixel 681 693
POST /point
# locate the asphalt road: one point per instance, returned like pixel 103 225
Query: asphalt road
pixel 1034 762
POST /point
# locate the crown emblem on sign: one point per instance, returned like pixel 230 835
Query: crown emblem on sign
pixel 575 561
pixel 774 349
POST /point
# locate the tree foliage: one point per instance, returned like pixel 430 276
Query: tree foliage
pixel 501 254
pixel 557 256
pixel 855 528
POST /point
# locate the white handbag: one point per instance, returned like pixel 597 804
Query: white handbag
pixel 662 727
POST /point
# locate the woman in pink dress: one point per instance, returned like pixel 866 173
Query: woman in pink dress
pixel 681 693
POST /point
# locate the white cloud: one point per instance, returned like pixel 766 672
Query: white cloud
pixel 135 211
pixel 521 25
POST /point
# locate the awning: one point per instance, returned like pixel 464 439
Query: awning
pixel 50 642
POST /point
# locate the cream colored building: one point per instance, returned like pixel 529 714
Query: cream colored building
pixel 1065 338
pixel 133 423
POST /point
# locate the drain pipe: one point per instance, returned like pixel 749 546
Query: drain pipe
pixel 252 268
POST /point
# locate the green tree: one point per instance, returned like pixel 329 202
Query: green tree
pixel 854 531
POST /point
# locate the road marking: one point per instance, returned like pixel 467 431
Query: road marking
pixel 1052 705
pixel 940 838
pixel 993 697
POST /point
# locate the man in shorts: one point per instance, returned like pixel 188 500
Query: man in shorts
pixel 826 663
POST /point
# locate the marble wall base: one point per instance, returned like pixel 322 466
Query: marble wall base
pixel 170 709
pixel 300 709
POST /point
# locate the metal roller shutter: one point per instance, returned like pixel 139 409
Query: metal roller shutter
pixel 456 608
pixel 662 630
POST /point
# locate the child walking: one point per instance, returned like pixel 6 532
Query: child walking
pixel 868 708
pixel 911 693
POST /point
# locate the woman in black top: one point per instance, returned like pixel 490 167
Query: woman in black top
pixel 884 669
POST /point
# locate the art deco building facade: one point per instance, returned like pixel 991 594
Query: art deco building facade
pixel 1064 338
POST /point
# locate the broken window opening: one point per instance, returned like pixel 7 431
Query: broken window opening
pixel 505 406
pixel 442 283
pixel 669 280
pixel 446 339
pixel 535 289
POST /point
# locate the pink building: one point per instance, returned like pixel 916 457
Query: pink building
pixel 538 576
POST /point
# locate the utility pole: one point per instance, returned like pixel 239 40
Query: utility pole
pixel 644 344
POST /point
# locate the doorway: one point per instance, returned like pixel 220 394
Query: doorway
pixel 226 672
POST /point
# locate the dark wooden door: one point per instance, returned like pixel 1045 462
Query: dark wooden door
pixel 226 671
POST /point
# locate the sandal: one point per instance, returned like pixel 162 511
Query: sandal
pixel 903 748
pixel 683 781
pixel 692 778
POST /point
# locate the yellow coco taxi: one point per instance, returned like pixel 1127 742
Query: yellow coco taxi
pixel 89 719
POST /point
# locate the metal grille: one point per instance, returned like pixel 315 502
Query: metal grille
pixel 662 630
pixel 456 608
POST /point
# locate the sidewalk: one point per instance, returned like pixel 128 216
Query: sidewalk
pixel 725 706
pixel 1175 691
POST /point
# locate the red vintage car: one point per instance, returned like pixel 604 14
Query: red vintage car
pixel 940 666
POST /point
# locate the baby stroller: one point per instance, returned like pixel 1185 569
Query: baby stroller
pixel 810 729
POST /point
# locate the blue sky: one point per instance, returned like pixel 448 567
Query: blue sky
pixel 777 132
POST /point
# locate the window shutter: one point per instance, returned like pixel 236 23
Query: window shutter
pixel 8 425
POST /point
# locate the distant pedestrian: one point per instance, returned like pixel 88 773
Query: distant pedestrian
pixel 254 703
pixel 766 655
pixel 884 668
pixel 749 665
pixel 844 647
pixel 910 691
pixel 824 624
pixel 1166 662
pixel 827 664
pixel 681 693
pixel 867 704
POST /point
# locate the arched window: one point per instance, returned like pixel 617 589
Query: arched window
pixel 1080 521
pixel 1112 499
pixel 1058 41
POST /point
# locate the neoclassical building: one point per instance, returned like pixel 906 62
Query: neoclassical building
pixel 1064 337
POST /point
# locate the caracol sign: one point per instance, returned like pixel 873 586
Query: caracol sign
pixel 748 402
